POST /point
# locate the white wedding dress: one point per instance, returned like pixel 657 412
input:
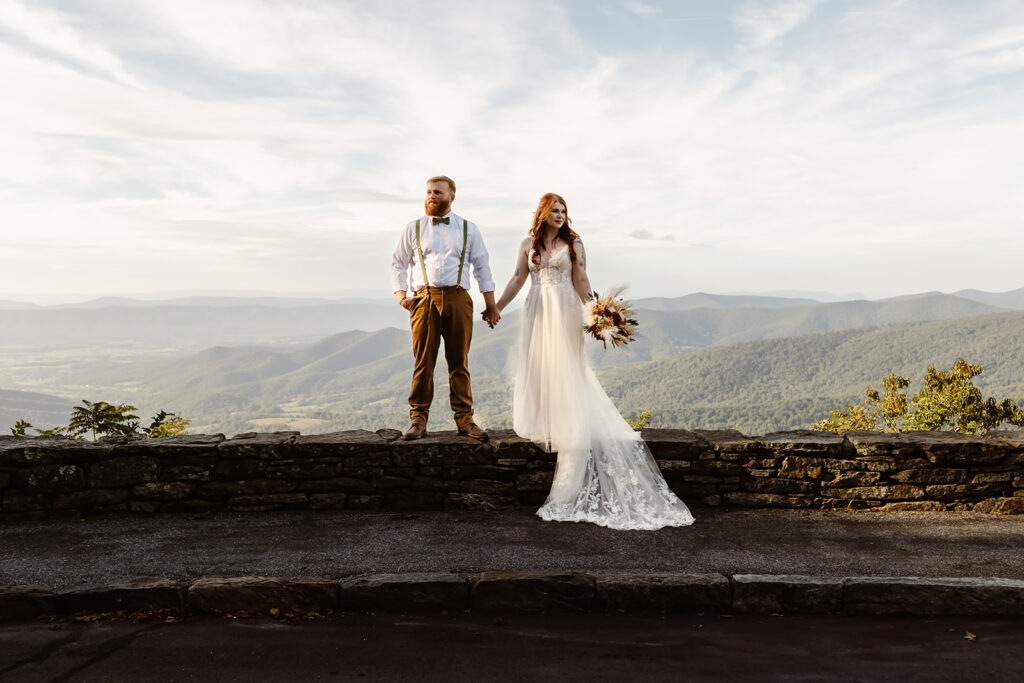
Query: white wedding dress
pixel 605 472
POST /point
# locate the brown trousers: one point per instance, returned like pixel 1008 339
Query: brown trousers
pixel 443 313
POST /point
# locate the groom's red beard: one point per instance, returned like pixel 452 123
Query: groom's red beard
pixel 436 208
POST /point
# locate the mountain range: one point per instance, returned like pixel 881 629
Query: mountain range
pixel 193 323
pixel 757 363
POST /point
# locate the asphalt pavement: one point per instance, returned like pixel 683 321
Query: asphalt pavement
pixel 689 644
pixel 102 551
pixel 697 647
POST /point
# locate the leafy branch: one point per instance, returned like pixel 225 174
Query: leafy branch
pixel 949 400
pixel 105 419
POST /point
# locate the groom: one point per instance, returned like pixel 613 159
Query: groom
pixel 440 247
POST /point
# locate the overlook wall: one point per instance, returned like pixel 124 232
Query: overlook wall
pixel 361 470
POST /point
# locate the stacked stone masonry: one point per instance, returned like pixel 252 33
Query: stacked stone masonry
pixel 362 470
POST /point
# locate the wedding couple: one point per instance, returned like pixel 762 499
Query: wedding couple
pixel 605 474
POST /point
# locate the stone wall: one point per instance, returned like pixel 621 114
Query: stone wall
pixel 361 470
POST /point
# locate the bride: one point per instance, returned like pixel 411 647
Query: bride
pixel 605 473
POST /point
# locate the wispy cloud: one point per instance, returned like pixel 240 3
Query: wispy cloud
pixel 764 23
pixel 640 8
pixel 297 141
pixel 645 234
pixel 48 32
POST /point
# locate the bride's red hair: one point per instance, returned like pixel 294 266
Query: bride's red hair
pixel 565 233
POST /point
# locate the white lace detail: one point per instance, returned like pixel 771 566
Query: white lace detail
pixel 605 472
pixel 626 491
pixel 555 268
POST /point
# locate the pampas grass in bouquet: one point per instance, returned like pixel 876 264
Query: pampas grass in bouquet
pixel 609 318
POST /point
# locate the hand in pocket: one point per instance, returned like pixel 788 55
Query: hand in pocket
pixel 409 302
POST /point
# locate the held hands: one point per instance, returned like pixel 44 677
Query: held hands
pixel 491 316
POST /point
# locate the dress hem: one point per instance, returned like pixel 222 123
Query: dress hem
pixel 548 516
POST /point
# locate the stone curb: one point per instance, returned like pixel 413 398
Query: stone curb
pixel 260 594
pixel 533 592
pixel 510 592
pixel 761 594
pixel 405 592
pixel 662 593
pixel 933 597
pixel 142 594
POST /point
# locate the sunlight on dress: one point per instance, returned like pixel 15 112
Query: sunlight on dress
pixel 605 472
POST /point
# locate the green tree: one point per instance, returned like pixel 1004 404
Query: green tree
pixel 57 432
pixel 850 418
pixel 948 400
pixel 640 421
pixel 167 424
pixel 19 428
pixel 893 404
pixel 102 418
pixel 889 407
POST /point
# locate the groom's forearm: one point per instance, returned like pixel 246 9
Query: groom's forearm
pixel 488 299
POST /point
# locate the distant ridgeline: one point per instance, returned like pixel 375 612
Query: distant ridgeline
pixel 361 380
pixel 757 364
pixel 363 470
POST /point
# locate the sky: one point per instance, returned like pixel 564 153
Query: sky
pixel 246 146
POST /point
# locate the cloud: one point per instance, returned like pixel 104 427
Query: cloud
pixel 763 25
pixel 298 141
pixel 642 9
pixel 645 234
pixel 47 31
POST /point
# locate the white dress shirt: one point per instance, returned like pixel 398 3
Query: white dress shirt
pixel 442 251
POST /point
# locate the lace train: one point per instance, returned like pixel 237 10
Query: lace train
pixel 619 487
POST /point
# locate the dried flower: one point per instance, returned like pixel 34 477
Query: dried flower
pixel 609 318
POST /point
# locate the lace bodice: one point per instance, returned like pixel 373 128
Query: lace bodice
pixel 555 267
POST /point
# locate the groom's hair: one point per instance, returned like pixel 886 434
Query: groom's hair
pixel 444 179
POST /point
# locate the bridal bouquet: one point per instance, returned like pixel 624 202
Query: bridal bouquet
pixel 609 318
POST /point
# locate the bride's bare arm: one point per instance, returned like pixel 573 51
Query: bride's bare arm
pixel 522 272
pixel 580 281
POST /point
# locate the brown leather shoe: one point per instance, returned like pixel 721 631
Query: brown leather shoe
pixel 415 431
pixel 471 430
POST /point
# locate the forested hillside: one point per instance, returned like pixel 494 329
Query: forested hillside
pixel 754 386
pixel 719 364
pixel 789 381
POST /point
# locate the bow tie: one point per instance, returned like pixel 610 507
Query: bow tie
pixel 435 220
